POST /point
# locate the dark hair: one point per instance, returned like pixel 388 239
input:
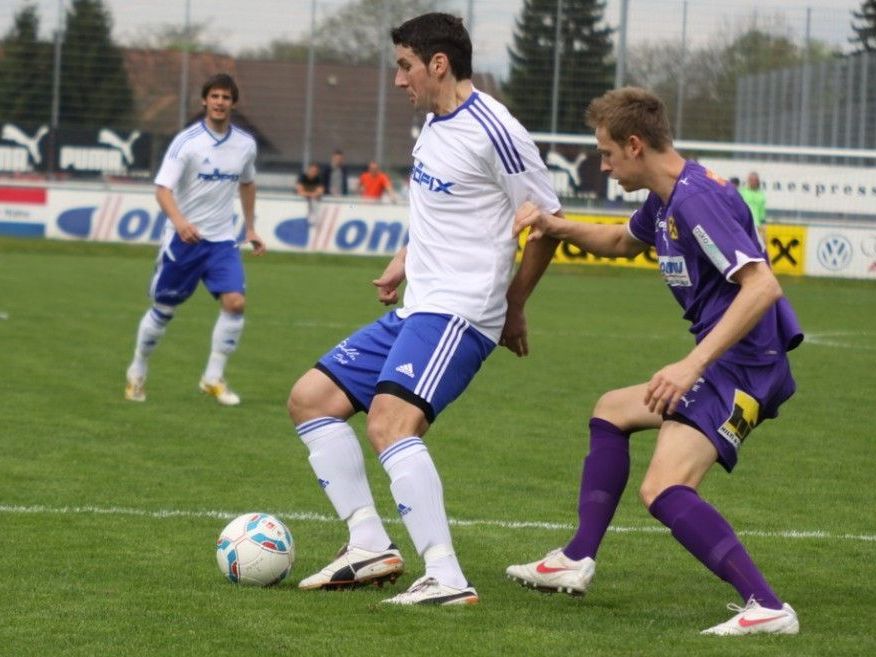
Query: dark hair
pixel 631 111
pixel 220 81
pixel 432 33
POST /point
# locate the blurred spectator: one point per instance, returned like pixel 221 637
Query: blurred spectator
pixel 310 183
pixel 334 175
pixel 754 197
pixel 311 187
pixel 735 182
pixel 373 183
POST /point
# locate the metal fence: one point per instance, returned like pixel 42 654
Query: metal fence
pixel 309 85
pixel 830 103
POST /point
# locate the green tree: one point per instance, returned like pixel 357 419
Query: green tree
pixel 865 29
pixel 710 74
pixel 25 72
pixel 173 37
pixel 94 83
pixel 358 31
pixel 354 34
pixel 585 67
pixel 293 51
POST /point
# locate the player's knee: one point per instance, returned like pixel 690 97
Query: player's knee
pixel 609 407
pixel 299 404
pixel 314 395
pixel 162 312
pixel 234 303
pixel 379 430
pixel 650 490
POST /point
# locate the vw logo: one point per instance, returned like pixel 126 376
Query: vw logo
pixel 834 252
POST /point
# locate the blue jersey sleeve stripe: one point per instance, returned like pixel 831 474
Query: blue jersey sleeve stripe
pixel 482 105
pixel 490 125
pixel 492 139
pixel 243 132
pixel 184 138
pixel 488 118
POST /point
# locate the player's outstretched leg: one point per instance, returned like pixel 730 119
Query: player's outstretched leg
pixel 604 477
pixel 369 557
pixel 417 491
pixel 709 537
pixel 149 333
pixel 226 337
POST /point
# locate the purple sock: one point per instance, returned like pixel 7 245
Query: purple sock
pixel 606 470
pixel 705 534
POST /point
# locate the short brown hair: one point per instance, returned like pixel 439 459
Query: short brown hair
pixel 631 111
pixel 220 81
pixel 432 33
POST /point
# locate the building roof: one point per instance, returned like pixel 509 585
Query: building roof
pixel 272 105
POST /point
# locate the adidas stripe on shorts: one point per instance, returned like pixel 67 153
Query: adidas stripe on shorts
pixel 427 359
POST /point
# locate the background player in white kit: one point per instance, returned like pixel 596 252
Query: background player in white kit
pixel 473 165
pixel 203 168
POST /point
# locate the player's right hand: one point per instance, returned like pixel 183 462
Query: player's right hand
pixel 529 216
pixel 388 282
pixel 188 233
pixel 386 295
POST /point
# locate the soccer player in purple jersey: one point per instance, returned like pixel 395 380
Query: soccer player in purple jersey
pixel 704 405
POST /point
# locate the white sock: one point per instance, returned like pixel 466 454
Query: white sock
pixel 366 530
pixel 149 333
pixel 336 459
pixel 416 489
pixel 226 335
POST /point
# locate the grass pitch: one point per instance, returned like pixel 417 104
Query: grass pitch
pixel 110 510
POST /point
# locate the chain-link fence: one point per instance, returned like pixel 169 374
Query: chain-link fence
pixel 99 87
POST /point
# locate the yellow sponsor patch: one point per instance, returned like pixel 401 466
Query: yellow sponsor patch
pixel 742 420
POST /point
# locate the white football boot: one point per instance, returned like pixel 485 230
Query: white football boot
pixel 429 591
pixel 354 567
pixel 556 572
pixel 756 619
pixel 135 387
pixel 220 391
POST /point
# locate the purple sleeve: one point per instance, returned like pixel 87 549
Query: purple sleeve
pixel 717 233
pixel 641 224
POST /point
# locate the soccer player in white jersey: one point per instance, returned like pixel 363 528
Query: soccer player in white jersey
pixel 202 170
pixel 473 165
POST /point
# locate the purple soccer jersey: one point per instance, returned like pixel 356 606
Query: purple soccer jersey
pixel 703 236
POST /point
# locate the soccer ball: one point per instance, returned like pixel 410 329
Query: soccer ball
pixel 255 549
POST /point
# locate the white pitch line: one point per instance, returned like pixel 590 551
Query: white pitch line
pixel 307 516
pixel 835 340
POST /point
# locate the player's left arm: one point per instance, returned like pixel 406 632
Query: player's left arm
pixel 758 291
pixel 247 202
pixel 536 257
pixel 524 177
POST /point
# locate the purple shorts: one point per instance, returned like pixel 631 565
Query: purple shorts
pixel 730 400
pixel 427 359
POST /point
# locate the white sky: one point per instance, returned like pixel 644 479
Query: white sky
pixel 238 25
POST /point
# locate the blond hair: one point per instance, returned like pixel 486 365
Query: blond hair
pixel 631 111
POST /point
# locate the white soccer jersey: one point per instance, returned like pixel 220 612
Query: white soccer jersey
pixel 472 170
pixel 204 170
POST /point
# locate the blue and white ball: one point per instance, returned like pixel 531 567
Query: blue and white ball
pixel 255 549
